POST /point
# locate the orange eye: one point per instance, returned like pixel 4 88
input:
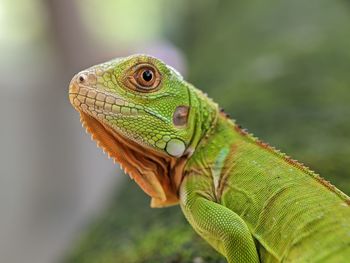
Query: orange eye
pixel 145 78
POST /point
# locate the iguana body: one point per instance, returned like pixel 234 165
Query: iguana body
pixel 249 201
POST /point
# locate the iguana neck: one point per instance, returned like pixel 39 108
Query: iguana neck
pixel 203 118
pixel 216 142
pixel 213 154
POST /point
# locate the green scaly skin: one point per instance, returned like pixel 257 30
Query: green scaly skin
pixel 249 201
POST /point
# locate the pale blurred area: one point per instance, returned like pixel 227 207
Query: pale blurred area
pixel 52 176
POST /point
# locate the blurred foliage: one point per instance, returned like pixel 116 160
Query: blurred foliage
pixel 125 15
pixel 281 68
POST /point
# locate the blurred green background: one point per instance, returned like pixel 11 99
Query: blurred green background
pixel 280 68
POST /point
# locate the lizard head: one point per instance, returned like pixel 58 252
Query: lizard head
pixel 141 112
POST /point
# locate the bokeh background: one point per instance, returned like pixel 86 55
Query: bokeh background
pixel 280 68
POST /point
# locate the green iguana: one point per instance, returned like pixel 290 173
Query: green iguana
pixel 249 201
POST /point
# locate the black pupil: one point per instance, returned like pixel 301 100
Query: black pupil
pixel 147 75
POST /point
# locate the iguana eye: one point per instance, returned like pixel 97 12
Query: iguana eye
pixel 145 78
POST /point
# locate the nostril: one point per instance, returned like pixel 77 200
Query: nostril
pixel 82 78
